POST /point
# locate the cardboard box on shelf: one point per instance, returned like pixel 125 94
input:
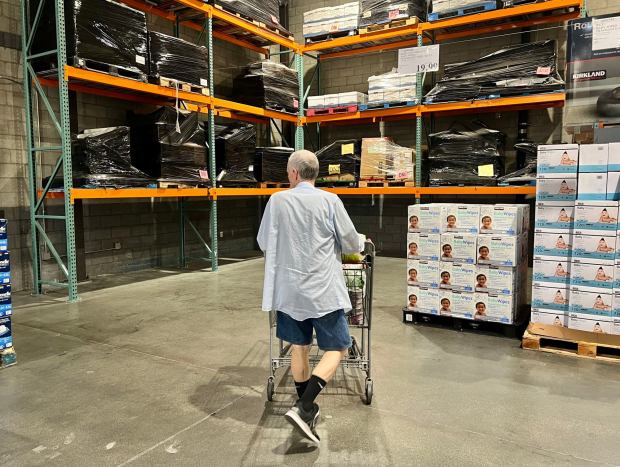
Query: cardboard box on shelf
pixel 6 333
pixel 463 276
pixel 586 303
pixel 555 189
pixel 549 273
pixel 613 186
pixel 499 250
pixel 554 318
pixel 460 218
pixel 428 300
pixel 551 298
pixel 502 219
pixel 595 248
pixel 6 307
pixel 593 158
pixel 557 159
pixel 5 267
pixel 592 276
pixel 592 186
pixel 463 304
pixel 458 247
pixel 497 279
pixel 591 324
pixel 552 216
pixel 553 245
pixel 445 302
pixel 446 277
pixel 424 218
pixel 613 162
pixel 596 217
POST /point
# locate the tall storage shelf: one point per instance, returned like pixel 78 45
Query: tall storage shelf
pixel 200 16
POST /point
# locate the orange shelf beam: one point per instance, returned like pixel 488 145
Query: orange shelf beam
pixel 222 105
pixel 497 105
pixel 367 115
pixel 135 193
pixel 477 190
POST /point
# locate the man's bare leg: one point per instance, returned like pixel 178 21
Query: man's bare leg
pixel 300 364
pixel 326 369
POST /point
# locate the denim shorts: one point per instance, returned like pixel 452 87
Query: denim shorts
pixel 332 331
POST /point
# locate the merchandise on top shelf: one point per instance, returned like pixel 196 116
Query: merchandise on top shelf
pixel 596 217
pixel 331 20
pixel 549 188
pixel 100 34
pixel 271 164
pixel 6 306
pixel 554 215
pixel 5 267
pixel 593 157
pixel 158 149
pixel 374 12
pixel 423 246
pixel 595 248
pixel 383 159
pixel 425 218
pixel 465 157
pixel 264 11
pixel 458 247
pixel 446 6
pixel 6 333
pixel 176 59
pixel 592 276
pixel 268 84
pixel 516 70
pixel 460 218
pixel 340 159
pixel 337 100
pixel 592 186
pixel 392 87
pixel 558 159
pixel 553 245
pixel 549 273
pixel 235 149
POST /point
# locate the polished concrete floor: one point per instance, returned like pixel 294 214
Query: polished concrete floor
pixel 161 368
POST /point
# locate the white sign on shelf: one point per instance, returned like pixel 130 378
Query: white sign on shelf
pixel 606 33
pixel 418 59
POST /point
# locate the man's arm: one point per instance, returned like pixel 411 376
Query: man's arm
pixel 348 238
pixel 265 227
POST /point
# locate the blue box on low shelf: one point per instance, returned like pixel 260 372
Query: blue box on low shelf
pixel 6 334
pixel 5 268
pixel 6 307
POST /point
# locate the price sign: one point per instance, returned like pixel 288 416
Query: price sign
pixel 402 175
pixel 204 174
pixel 418 59
pixel 334 169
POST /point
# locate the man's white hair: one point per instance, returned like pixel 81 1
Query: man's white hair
pixel 306 163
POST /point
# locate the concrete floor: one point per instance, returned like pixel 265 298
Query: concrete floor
pixel 162 368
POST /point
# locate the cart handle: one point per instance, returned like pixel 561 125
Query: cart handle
pixel 369 248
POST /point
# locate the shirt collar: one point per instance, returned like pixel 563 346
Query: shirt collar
pixel 304 185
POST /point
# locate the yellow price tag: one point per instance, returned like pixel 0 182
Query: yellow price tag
pixel 334 169
pixel 486 170
pixel 348 149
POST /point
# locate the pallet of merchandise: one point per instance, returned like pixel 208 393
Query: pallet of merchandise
pixel 342 180
pixel 108 69
pixel 463 11
pixel 390 24
pixel 342 109
pixel 384 183
pixel 183 86
pixel 279 31
pixel 573 342
pixel 322 37
pixel 387 105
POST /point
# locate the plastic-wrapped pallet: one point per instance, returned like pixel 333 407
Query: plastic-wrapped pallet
pixel 383 159
pixel 235 147
pixel 99 33
pixel 392 87
pixel 164 153
pixel 265 11
pixel 268 84
pixel 521 69
pixel 330 20
pixel 384 11
pixel 442 6
pixel 271 164
pixel 341 159
pixel 176 59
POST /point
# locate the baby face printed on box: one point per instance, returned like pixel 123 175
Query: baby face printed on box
pixel 496 279
pixel 550 298
pixel 498 250
pixel 412 298
pixel 461 218
pixel 592 276
pixel 556 189
pixel 590 303
pixel 601 219
pixel 424 218
pixel 595 248
pixel 445 302
pixel 591 324
pixel 557 159
pixel 458 247
pixel 423 246
pixel 500 219
pixel 423 273
pixel 549 317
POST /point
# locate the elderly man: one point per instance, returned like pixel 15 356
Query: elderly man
pixel 303 234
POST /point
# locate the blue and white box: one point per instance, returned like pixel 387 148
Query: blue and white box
pixel 550 317
pixel 551 298
pixel 501 219
pixel 500 308
pixel 615 326
pixel 458 247
pixel 590 323
pixel 553 245
pixel 496 279
pixel 552 273
pixel 428 300
pixel 596 217
pixel 428 273
pixel 613 162
pixel 617 274
pixel 592 186
pixel 460 218
pixel 615 307
pixel 592 276
pixel 413 246
pixel 426 218
pixel 4 242
pixel 6 333
pixel 463 304
pixel 412 298
pixel 5 267
pixel 428 246
pixel 6 307
pixel 412 272
pixel 595 248
pixel 613 186
pixel 552 216
pixel 463 276
pixel 586 303
pixel 499 250
pixel 593 158
pixel 557 159
pixel 445 275
pixel 556 189
pixel 445 302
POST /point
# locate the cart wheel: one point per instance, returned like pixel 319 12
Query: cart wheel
pixel 368 391
pixel 270 388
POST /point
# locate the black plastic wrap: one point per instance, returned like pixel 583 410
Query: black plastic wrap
pixel 164 153
pixel 271 164
pixel 100 31
pixel 340 158
pixel 174 58
pixel 268 84
pixel 265 11
pixel 463 157
pixel 235 149
pixel 384 11
pixel 527 174
pixel 516 70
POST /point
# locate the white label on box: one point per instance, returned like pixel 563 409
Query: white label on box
pixel 551 298
pixel 606 33
pixel 593 157
pixel 498 250
pixel 596 217
pixel 590 303
pixel 549 317
pixel 595 248
pixel 554 216
pixel 204 82
pixel 592 276
pixel 592 186
pixel 461 218
pixel 500 220
pixel 550 273
pixel 551 245
pixel 557 159
pixel 496 279
pixel 140 60
pixel 463 276
pixel 556 189
pixel 418 59
pixel 458 247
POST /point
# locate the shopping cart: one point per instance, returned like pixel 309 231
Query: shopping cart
pixel 358 278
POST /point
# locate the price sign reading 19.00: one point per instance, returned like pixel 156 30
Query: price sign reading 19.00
pixel 418 59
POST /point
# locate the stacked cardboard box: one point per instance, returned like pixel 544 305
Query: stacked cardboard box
pixel 337 100
pixel 467 260
pixel 383 159
pixel 331 20
pixel 7 354
pixel 575 251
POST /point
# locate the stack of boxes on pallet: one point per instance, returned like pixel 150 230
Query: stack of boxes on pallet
pixel 467 261
pixel 7 354
pixel 331 20
pixel 575 247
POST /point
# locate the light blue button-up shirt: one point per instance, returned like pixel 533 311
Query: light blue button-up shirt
pixel 303 234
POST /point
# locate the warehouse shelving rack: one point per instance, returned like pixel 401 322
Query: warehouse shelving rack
pixel 203 17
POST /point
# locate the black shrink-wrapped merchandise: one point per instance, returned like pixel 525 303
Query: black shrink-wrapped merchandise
pixel 164 153
pixel 340 158
pixel 384 11
pixel 271 164
pixel 515 70
pixel 527 174
pixel 98 33
pixel 235 149
pixel 265 11
pixel 466 157
pixel 174 58
pixel 268 84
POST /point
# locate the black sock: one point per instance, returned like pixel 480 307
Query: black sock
pixel 301 387
pixel 315 386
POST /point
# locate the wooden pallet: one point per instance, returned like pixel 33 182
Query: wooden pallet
pixel 572 342
pixel 114 70
pixel 397 23
pixel 168 184
pixel 273 185
pixel 373 183
pixel 345 109
pixel 183 86
pixel 280 32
